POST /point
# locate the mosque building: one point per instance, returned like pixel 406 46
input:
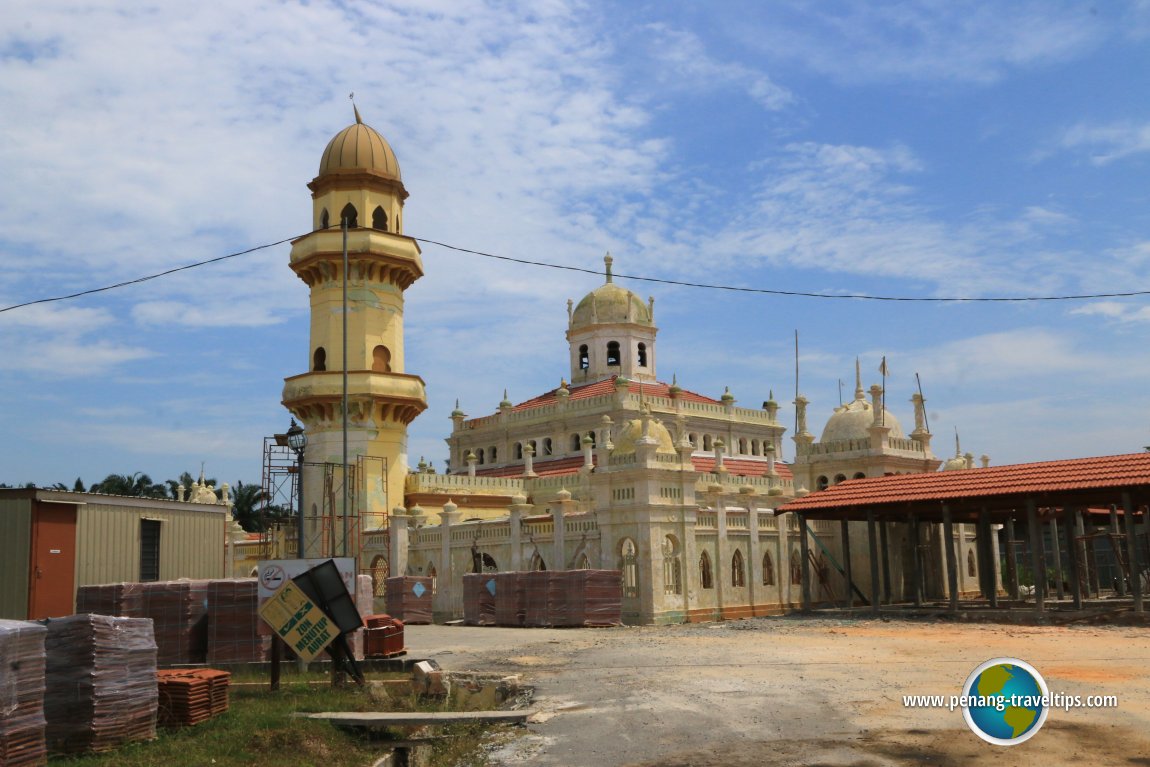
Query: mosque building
pixel 614 468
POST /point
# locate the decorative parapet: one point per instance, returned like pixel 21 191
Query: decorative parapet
pixel 462 484
pixel 630 400
pixel 763 484
pixel 904 444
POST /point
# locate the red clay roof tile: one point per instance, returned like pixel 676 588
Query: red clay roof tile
pixel 995 481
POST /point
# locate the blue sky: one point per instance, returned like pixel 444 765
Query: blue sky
pixel 911 149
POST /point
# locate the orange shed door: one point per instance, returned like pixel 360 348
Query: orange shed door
pixel 53 573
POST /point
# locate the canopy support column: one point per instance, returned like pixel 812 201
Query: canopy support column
pixel 872 539
pixel 845 536
pixel 1075 567
pixel 1037 557
pixel 805 564
pixel 1132 552
pixel 951 564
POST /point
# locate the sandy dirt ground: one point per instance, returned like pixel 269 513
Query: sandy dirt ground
pixel 799 691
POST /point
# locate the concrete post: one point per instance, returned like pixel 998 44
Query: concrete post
pixel 559 552
pixel 398 533
pixel 445 591
pixel 519 508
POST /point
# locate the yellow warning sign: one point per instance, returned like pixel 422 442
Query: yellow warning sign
pixel 305 628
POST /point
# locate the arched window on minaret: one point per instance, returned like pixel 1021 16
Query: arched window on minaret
pixel 381 359
pixel 379 219
pixel 519 451
pixel 493 454
pixel 324 219
pixel 479 457
pixel 576 443
pixel 642 355
pixel 613 353
pixel 319 360
pixel 584 358
pixel 349 215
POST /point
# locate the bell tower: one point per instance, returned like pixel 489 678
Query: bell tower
pixel 359 183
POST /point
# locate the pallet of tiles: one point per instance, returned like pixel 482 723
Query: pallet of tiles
pixel 188 697
pixel 508 599
pixel 479 599
pixel 409 598
pixel 22 723
pixel 594 598
pixel 233 624
pixel 100 678
pixel 179 611
pixel 536 589
pixel 123 599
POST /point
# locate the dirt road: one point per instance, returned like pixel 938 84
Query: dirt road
pixel 794 691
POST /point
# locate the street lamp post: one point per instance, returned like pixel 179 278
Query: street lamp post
pixel 297 441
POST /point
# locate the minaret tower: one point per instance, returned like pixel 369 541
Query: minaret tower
pixel 358 180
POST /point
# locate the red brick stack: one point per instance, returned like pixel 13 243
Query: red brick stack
pixel 123 599
pixel 409 598
pixel 233 625
pixel 22 723
pixel 509 599
pixel 188 697
pixel 479 599
pixel 180 614
pixel 543 605
pixel 101 682
pixel 594 598
pixel 383 637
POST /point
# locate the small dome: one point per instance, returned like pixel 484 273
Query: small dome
pixel 610 303
pixel 853 421
pixel 954 464
pixel 359 147
pixel 632 431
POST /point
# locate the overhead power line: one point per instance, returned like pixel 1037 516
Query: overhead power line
pixel 641 278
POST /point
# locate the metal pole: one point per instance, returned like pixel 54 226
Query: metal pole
pixel 299 501
pixel 344 388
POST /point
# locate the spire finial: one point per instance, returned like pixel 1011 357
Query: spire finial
pixel 957 448
pixel 607 261
pixel 858 381
pixel 354 108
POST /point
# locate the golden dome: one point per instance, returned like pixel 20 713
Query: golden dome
pixel 632 431
pixel 359 147
pixel 610 303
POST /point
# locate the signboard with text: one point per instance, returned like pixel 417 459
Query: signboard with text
pixel 305 628
pixel 273 573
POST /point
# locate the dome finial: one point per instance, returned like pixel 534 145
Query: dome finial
pixel 858 381
pixel 354 108
pixel 607 261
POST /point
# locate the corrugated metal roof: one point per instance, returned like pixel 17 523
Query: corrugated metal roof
pixel 1023 479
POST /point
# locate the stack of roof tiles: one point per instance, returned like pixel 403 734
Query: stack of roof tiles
pixel 180 614
pixel 545 601
pixel 123 599
pixel 233 624
pixel 479 599
pixel 409 598
pixel 188 697
pixel 22 694
pixel 594 598
pixel 509 599
pixel 100 681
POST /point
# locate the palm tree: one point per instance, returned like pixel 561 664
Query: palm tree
pixel 247 502
pixel 138 484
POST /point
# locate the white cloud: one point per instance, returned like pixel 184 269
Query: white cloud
pixel 684 63
pixel 1107 143
pixel 922 40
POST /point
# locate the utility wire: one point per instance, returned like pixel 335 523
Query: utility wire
pixel 148 277
pixel 584 270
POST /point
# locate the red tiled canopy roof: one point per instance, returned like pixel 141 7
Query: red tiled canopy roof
pixel 1077 482
pixel 655 389
pixel 569 465
pixel 740 467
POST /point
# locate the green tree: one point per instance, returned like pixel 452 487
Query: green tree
pixel 138 484
pixel 247 501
